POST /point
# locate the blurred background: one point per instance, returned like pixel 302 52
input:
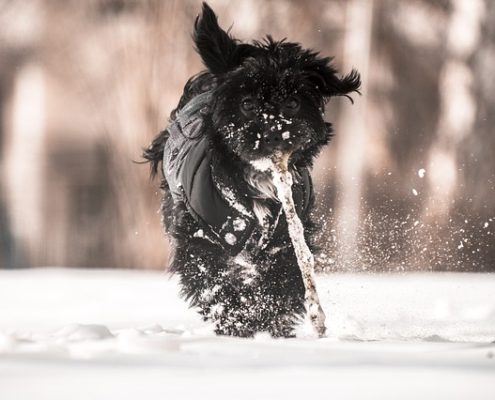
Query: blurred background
pixel 408 183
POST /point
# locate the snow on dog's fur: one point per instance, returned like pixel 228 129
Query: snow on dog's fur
pixel 232 248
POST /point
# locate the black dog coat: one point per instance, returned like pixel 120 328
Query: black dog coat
pixel 220 205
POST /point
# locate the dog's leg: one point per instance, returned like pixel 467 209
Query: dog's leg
pixel 209 283
pixel 282 283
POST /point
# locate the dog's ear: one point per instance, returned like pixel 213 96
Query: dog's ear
pixel 218 50
pixel 324 76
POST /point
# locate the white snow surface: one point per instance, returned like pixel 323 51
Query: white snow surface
pixel 112 334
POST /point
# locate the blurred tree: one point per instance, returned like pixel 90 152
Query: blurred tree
pixel 110 72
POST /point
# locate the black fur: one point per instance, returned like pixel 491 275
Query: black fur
pixel 263 92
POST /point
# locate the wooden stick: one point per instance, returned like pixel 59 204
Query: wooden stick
pixel 282 179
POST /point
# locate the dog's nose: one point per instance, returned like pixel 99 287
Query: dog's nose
pixel 274 140
pixel 272 137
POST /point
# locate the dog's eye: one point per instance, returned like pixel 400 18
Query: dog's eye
pixel 248 105
pixel 292 103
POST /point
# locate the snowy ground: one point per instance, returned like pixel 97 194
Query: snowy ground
pixel 92 334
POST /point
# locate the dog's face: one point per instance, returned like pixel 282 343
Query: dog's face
pixel 269 95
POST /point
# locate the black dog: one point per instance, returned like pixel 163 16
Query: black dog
pixel 232 250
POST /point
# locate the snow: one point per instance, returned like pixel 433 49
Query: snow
pixel 104 334
pixel 199 233
pixel 230 238
pixel 239 224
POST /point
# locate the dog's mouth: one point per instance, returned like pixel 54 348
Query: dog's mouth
pixel 254 141
pixel 272 141
pixel 277 160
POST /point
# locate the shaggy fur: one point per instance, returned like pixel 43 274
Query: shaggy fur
pixel 268 95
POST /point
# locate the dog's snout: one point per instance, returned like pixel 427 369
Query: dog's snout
pixel 273 140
